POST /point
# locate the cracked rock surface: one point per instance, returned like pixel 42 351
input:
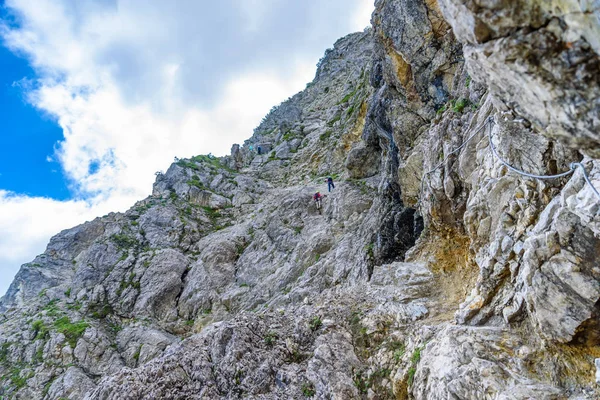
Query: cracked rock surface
pixel 429 272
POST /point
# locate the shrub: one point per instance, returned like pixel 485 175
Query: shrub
pixel 123 241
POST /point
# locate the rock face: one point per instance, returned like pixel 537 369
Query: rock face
pixel 432 270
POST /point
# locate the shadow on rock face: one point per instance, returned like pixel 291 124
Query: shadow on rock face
pixel 399 230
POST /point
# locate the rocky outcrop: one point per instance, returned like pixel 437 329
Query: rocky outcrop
pixel 432 270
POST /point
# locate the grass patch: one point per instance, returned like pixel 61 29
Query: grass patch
pixel 16 379
pixel 334 120
pixel 136 355
pixel 350 110
pixel 197 184
pixel 411 375
pixel 399 350
pixel 369 250
pixel 102 312
pixel 212 213
pixel 324 136
pixel 72 331
pixel 416 355
pixel 270 338
pixel 123 242
pixel 39 329
pixel 315 323
pixel 308 389
pixel 459 105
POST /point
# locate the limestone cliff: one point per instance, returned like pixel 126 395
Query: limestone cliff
pixel 432 271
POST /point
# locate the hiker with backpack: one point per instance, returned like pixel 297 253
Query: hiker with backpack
pixel 318 198
pixel 330 184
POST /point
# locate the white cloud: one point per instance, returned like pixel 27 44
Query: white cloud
pixel 134 83
pixel 28 223
pixel 362 16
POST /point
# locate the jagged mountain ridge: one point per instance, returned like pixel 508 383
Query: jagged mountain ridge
pixel 495 298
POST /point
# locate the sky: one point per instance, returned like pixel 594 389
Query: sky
pixel 98 95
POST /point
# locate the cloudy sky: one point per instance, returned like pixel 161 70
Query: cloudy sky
pixel 98 95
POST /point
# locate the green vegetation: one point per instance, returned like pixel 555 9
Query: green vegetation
pixel 211 160
pixel 414 359
pixel 207 159
pixel 324 136
pixel 416 356
pixel 441 109
pixel 190 322
pixel 315 323
pixel 398 348
pixel 334 120
pixel 74 306
pixel 102 312
pixel 298 229
pixel 411 375
pixel 212 213
pixel 317 257
pixel 361 185
pixel 350 110
pixel 240 248
pixel 361 382
pixel 270 338
pixel 51 308
pixel 244 285
pixel 39 329
pixel 459 105
pixel 351 94
pixel 17 380
pixel 4 352
pixel 136 355
pixel 68 292
pixel 308 389
pixel 197 184
pixel 369 250
pixel 123 241
pixel 72 331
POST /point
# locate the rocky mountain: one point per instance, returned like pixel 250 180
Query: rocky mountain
pixel 434 270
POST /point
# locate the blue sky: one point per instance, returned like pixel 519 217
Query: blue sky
pixel 98 95
pixel 28 137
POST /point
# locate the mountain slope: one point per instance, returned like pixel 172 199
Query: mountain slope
pixel 432 272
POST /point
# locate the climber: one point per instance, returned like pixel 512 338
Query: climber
pixel 250 148
pixel 330 184
pixel 258 150
pixel 318 199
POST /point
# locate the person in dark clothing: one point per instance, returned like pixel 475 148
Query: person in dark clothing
pixel 330 184
pixel 259 150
